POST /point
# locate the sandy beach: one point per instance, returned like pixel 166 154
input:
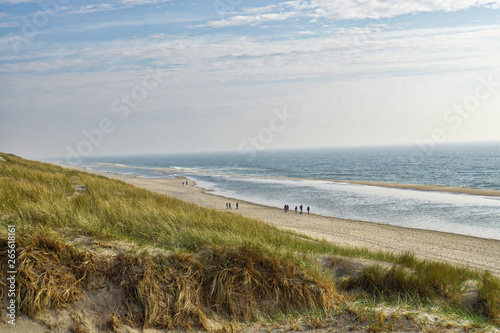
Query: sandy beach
pixel 469 251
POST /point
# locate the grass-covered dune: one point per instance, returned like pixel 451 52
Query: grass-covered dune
pixel 173 264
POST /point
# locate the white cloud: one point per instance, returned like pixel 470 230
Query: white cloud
pixel 378 9
pixel 142 2
pixel 259 15
pixel 347 10
pixel 9 24
pixel 48 66
pixel 98 7
pixel 260 10
pixel 92 9
pixel 345 53
pixel 17 1
pixel 250 19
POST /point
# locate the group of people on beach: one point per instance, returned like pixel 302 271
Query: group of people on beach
pixel 301 207
pixel 185 183
pixel 228 205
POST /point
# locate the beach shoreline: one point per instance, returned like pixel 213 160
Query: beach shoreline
pixel 470 251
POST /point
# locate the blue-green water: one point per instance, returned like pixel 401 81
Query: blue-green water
pixel 473 166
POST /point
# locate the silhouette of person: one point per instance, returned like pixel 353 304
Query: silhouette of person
pixel 308 209
pixel 237 206
pixel 296 209
pixel 301 208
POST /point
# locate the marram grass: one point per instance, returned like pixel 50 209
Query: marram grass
pixel 218 264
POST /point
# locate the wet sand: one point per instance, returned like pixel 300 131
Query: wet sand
pixel 432 188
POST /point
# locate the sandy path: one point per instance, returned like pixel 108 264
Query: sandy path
pixel 458 249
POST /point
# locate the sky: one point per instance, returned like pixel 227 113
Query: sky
pixel 87 78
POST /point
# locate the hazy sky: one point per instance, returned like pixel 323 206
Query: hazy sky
pixel 82 78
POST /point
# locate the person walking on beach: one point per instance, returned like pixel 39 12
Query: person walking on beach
pixel 296 208
pixel 301 208
pixel 308 209
pixel 227 205
pixel 284 208
pixel 237 206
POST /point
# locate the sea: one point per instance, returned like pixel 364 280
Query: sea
pixel 316 178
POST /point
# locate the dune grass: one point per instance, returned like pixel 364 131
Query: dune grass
pixel 220 262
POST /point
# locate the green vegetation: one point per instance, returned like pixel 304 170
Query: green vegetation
pixel 212 265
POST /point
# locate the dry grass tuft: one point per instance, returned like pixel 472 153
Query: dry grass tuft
pixel 178 291
pixel 51 275
pixel 185 291
pixel 115 323
pixel 79 325
pixel 241 283
pixel 45 282
pixel 315 322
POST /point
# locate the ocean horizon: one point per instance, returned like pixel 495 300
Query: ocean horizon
pixel 313 177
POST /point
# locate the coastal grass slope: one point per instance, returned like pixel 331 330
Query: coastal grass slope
pixel 177 265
